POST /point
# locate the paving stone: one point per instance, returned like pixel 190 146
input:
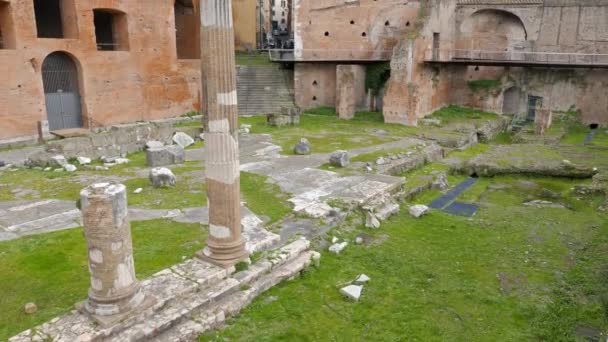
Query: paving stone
pixel 352 292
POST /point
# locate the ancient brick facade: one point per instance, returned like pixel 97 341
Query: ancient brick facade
pixel 332 32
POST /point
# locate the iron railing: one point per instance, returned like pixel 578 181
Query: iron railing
pixel 329 55
pixel 540 57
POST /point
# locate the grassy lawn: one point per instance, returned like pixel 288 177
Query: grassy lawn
pixel 51 269
pixel 327 133
pixel 243 58
pixel 454 114
pixel 511 273
pixel 263 198
pixel 188 192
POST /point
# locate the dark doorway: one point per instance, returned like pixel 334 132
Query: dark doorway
pixel 48 18
pixel 61 91
pixel 436 46
pixel 594 126
pixel 510 102
pixel 533 103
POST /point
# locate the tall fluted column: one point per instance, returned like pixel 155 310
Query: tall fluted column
pixel 225 244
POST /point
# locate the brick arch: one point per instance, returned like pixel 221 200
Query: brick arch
pixel 493 29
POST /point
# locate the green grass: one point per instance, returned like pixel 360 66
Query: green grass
pixel 483 85
pixel 252 59
pixel 59 185
pixel 456 113
pixel 373 156
pixel 263 198
pixel 511 273
pixel 327 133
pixel 51 269
pixel 188 192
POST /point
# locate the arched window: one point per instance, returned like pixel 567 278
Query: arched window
pixel 111 30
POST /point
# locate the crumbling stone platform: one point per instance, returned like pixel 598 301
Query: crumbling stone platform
pixel 190 298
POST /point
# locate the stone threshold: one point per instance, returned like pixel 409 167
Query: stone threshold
pixel 188 299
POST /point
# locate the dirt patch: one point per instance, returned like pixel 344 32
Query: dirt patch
pixel 510 283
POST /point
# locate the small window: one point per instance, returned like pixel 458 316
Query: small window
pixel 49 23
pixel 363 34
pixel 326 34
pixel 388 23
pixel 111 30
pixel 407 24
pixel 314 83
pixel 352 22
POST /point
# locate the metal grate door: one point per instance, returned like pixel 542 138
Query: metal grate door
pixel 62 97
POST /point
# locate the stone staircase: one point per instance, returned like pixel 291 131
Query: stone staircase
pixel 183 301
pixel 263 89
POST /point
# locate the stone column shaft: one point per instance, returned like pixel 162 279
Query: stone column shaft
pixel 114 288
pixel 225 244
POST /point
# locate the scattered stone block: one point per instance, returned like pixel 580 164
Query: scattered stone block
pixel 352 292
pixel 381 161
pixel 245 129
pixel 83 160
pixel 336 248
pixel 30 308
pixel 108 160
pixel 154 144
pixel 387 210
pixel 46 169
pixel 161 177
pixel 288 116
pixel 543 204
pixel 440 182
pixel 418 210
pixel 316 258
pixel 166 155
pixel 371 221
pixel 302 148
pixel 138 191
pixel 182 139
pixel 58 161
pixel 430 122
pixel 358 240
pixel 70 168
pixel 361 279
pixel 119 161
pixel 334 239
pixel 202 136
pixel 2 163
pixel 339 158
pixel 101 168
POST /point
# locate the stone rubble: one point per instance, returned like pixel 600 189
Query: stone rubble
pixel 336 248
pixel 352 292
pixel 371 221
pixel 138 190
pixel 165 155
pixel 339 158
pixel 418 210
pixel 182 139
pixel 153 144
pixel 70 167
pixel 83 160
pixel 161 177
pixel 302 148
pixel 58 161
pixel 361 279
pixel 30 308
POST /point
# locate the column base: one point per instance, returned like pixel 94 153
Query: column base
pixel 112 313
pixel 223 257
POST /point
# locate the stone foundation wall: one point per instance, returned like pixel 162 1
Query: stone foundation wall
pixel 116 140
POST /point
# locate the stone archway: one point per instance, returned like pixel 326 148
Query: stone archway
pixel 61 91
pixel 492 30
pixel 511 101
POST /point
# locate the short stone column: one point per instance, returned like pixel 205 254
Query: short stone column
pixel 350 89
pixel 114 291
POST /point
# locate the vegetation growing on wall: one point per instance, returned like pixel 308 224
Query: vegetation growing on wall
pixel 483 85
pixel 376 76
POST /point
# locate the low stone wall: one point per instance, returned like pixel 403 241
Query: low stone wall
pixel 117 140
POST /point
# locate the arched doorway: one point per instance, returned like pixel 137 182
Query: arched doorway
pixel 510 101
pixel 61 91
